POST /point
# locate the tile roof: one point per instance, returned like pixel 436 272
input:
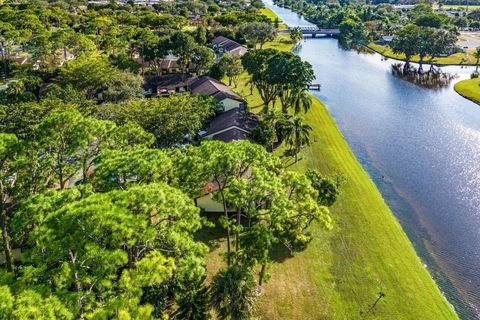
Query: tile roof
pixel 225 43
pixel 211 87
pixel 233 134
pixel 241 119
pixel 173 64
pixel 170 81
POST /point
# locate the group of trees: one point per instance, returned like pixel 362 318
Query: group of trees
pixel 125 39
pixel 107 224
pixel 272 208
pixel 279 75
pixel 258 33
pixel 171 120
pixel 229 66
pixel 98 190
pixel 422 41
pixel 361 23
pixel 112 45
pixel 284 77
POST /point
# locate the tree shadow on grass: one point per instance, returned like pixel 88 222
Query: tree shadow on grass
pixel 280 252
pixel 211 236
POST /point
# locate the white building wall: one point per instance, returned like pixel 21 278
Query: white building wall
pixel 229 104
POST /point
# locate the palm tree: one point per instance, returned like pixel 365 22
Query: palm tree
pixel 193 305
pixel 296 133
pixel 302 100
pixel 233 293
pixel 477 55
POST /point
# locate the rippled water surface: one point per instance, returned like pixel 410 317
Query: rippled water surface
pixel 420 146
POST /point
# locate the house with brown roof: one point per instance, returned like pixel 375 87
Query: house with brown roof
pixel 168 84
pixel 233 125
pixel 170 65
pixel 226 97
pixel 224 45
pixel 186 82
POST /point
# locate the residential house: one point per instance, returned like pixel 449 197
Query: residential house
pixel 384 40
pixel 186 82
pixel 223 45
pixel 169 84
pixel 233 125
pixel 170 65
pixel 227 99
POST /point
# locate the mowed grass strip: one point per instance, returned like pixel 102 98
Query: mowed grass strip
pixel 469 89
pixel 342 271
pixel 270 14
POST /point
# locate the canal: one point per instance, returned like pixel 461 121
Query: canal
pixel 422 149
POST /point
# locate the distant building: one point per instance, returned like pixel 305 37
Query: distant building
pixel 384 40
pixel 232 125
pixel 403 7
pixel 224 45
pixel 170 65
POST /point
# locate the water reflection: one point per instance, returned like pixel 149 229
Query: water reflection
pixel 432 79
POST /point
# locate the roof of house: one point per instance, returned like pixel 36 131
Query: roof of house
pixel 232 135
pixel 237 119
pixel 173 64
pixel 386 38
pixel 211 87
pixel 225 43
pixel 170 81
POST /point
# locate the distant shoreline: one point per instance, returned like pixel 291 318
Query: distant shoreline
pixel 466 88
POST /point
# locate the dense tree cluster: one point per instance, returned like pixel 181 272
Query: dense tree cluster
pixel 422 41
pixel 103 51
pixel 107 225
pixel 284 77
pixel 99 186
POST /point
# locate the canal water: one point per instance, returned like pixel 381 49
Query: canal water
pixel 422 149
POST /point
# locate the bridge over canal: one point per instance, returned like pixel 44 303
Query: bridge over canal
pixel 314 31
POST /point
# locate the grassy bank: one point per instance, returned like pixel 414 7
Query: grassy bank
pixel 460 58
pixel 469 89
pixel 342 271
pixel 270 14
pixel 460 7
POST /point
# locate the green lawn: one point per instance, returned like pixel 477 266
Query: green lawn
pixel 270 14
pixel 342 271
pixel 460 58
pixel 470 89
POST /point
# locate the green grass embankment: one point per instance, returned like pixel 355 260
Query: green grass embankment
pixel 270 14
pixel 469 89
pixel 341 272
pixel 459 58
